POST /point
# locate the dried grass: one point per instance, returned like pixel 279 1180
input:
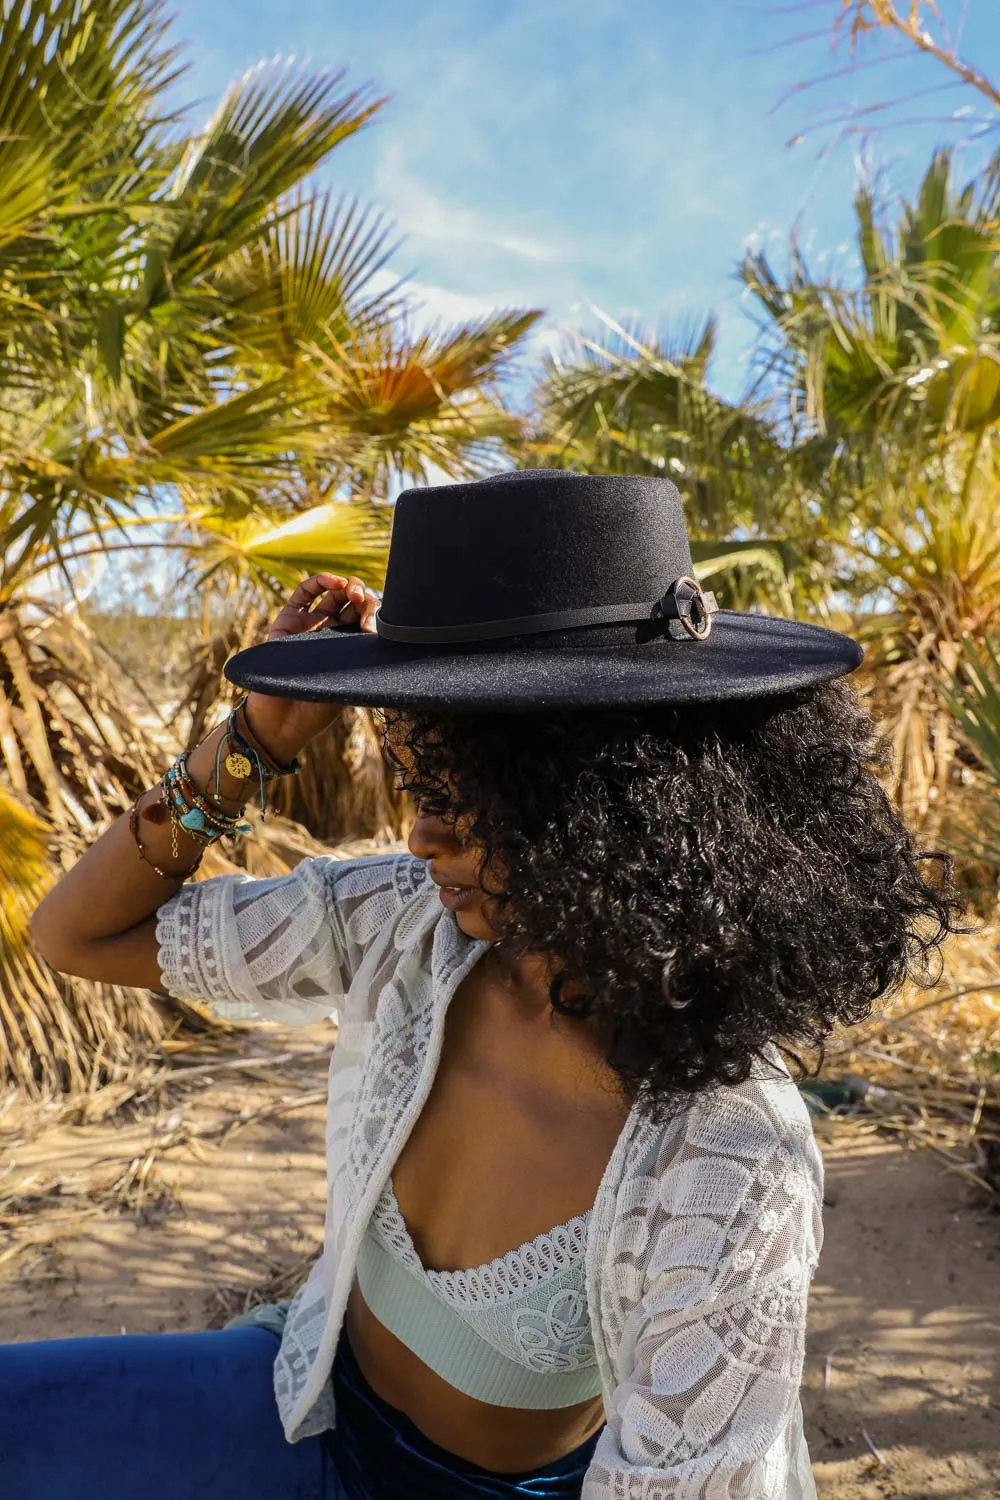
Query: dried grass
pixel 927 1067
pixel 176 1102
pixel 279 1282
pixel 70 750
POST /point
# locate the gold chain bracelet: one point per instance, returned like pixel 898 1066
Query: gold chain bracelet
pixel 133 823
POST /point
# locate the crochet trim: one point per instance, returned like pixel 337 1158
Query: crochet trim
pixel 530 1265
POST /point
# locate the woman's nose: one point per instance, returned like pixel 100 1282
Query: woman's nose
pixel 432 837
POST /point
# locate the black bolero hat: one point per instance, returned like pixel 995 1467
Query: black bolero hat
pixel 537 590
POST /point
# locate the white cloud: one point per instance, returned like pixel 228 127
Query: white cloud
pixel 550 338
pixel 432 304
pixel 438 304
pixel 421 214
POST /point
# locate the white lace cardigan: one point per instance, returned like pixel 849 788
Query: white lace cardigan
pixel 703 1237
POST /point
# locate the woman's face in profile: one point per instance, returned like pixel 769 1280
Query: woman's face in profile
pixel 456 869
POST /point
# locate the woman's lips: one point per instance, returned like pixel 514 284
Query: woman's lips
pixel 458 897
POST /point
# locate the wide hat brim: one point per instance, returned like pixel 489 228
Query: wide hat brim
pixel 745 656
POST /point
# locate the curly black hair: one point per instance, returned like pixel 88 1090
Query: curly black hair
pixel 707 879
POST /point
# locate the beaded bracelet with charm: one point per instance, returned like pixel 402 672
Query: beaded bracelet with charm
pixel 244 760
pixel 180 796
pixel 201 819
pixel 210 823
pixel 186 808
pixel 183 805
pixel 241 762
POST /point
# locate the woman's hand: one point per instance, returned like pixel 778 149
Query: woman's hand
pixel 323 602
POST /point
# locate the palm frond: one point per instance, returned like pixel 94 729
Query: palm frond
pixel 972 693
pixel 306 280
pixel 79 82
pixel 24 870
pixel 246 438
pixel 398 405
pixel 912 349
pixel 634 405
pixel 271 130
pixel 190 334
pixel 778 559
pixel 340 537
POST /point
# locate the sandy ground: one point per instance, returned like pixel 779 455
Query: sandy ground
pixel 170 1223
pixel 904 1339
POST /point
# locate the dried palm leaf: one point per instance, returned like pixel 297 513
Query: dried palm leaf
pixel 75 756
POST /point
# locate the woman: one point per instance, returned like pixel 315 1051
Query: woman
pixel 574 1197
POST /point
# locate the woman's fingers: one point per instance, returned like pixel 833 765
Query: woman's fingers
pixel 369 612
pixel 358 610
pixel 322 591
pixel 315 601
pixel 324 601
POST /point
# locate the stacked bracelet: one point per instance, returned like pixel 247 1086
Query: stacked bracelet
pixel 203 820
pixel 202 815
pixel 274 768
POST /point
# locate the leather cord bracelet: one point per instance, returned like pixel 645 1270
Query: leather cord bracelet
pixel 275 768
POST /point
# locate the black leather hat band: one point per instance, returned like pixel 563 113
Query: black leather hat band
pixel 696 608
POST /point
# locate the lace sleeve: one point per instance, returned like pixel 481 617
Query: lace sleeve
pixel 279 949
pixel 714 1338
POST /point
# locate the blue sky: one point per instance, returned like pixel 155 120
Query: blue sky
pixel 560 153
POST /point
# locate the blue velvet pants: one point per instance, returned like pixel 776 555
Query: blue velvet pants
pixel 192 1417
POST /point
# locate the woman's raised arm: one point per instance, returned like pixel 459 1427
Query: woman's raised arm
pixel 99 921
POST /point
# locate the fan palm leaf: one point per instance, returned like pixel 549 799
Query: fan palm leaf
pixel 900 377
pixel 398 406
pixel 189 332
pixel 307 280
pixel 24 870
pixel 752 570
pixel 68 130
pixel 636 404
pixel 900 352
pixel 339 537
pixel 237 447
pixel 933 542
pixel 271 130
pixel 972 693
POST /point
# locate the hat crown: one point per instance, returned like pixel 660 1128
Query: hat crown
pixel 532 542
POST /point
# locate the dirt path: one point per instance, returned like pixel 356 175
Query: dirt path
pixel 904 1330
pixel 905 1315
